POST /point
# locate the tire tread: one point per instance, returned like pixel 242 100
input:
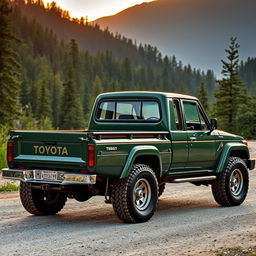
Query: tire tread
pixel 120 199
pixel 219 188
pixel 33 205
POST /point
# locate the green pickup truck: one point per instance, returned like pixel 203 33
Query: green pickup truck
pixel 135 144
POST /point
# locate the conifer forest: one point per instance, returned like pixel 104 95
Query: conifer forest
pixel 53 66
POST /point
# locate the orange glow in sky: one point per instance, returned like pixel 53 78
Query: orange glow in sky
pixel 95 9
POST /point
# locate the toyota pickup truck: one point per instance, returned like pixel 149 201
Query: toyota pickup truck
pixel 136 142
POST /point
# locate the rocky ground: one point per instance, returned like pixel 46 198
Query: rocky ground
pixel 187 222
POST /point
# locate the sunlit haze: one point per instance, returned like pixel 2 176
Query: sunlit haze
pixel 95 9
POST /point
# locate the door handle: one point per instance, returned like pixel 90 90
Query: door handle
pixel 192 138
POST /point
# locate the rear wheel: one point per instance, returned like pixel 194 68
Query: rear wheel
pixel 231 186
pixel 41 202
pixel 134 198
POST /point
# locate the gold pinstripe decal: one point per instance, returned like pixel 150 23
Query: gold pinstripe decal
pixel 159 142
pixel 132 142
pixel 185 141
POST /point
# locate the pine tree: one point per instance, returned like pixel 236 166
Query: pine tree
pixel 165 75
pixel 113 86
pixel 97 86
pixel 182 89
pixel 246 118
pixel 27 121
pixel 24 89
pixel 57 89
pixel 9 75
pixel 45 109
pixel 96 90
pixel 41 100
pixel 203 97
pixel 75 63
pixel 231 92
pixel 34 97
pixel 71 110
pixel 210 83
pixel 126 72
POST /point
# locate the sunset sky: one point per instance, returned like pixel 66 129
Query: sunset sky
pixel 95 8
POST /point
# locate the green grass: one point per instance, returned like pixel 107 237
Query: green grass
pixel 3 143
pixel 237 251
pixel 3 162
pixel 9 186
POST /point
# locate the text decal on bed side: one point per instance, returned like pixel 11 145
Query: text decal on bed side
pixel 111 148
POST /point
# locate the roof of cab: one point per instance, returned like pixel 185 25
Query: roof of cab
pixel 148 93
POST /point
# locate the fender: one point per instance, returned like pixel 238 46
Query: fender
pixel 227 150
pixel 139 151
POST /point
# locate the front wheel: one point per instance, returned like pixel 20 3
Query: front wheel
pixel 231 186
pixel 134 198
pixel 41 202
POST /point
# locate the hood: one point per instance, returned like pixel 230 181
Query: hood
pixel 229 136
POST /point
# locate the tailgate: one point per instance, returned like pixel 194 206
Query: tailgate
pixel 50 148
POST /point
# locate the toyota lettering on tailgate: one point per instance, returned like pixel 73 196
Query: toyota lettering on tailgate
pixel 50 150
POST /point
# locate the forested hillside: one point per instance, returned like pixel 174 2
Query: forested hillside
pixel 88 37
pixel 247 71
pixel 60 79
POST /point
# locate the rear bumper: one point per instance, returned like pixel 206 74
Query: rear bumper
pixel 54 177
pixel 250 164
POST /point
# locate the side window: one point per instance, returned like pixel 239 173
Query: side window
pixel 203 121
pixel 177 115
pixel 193 117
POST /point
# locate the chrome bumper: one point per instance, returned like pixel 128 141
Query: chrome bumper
pixel 38 176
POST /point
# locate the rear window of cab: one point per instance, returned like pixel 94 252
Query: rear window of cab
pixel 128 110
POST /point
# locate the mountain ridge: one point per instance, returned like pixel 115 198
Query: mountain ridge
pixel 197 32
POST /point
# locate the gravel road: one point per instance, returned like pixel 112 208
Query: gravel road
pixel 187 222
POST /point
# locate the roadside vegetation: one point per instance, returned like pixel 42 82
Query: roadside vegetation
pixel 3 140
pixel 9 186
pixel 237 251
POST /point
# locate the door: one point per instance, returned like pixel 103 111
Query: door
pixel 201 143
pixel 179 138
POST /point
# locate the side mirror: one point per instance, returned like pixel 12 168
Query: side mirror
pixel 214 124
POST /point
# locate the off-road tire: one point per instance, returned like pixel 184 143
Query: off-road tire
pixel 40 202
pixel 134 198
pixel 231 186
pixel 161 188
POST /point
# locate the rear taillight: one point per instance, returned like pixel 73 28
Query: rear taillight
pixel 10 152
pixel 91 151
